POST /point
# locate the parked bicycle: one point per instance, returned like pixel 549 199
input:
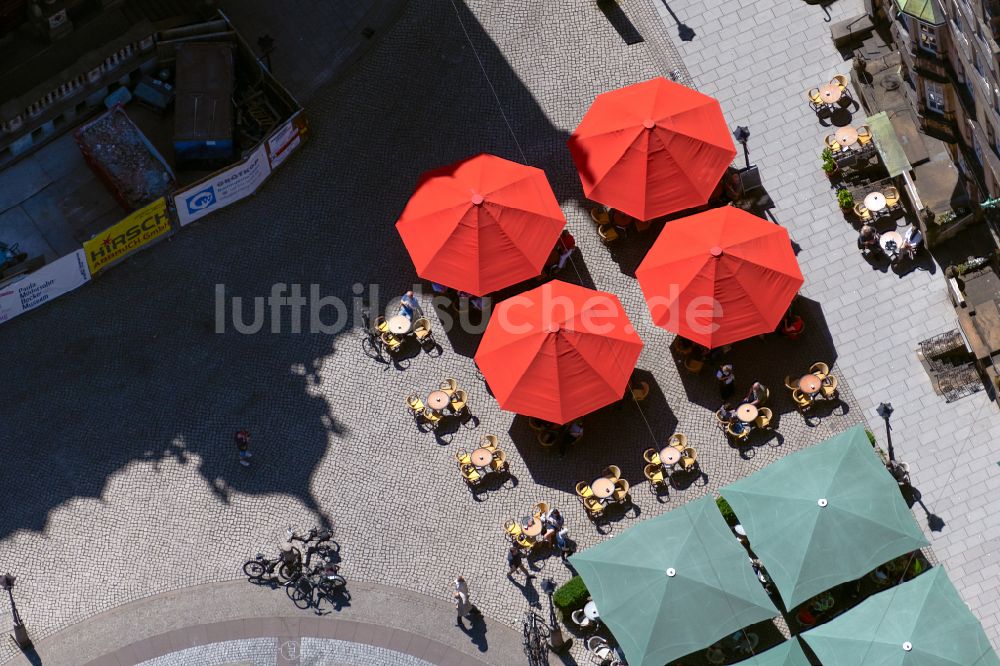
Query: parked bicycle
pixel 308 589
pixel 261 568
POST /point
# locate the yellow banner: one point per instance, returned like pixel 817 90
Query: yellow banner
pixel 127 236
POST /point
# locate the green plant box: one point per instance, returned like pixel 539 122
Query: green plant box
pixel 570 596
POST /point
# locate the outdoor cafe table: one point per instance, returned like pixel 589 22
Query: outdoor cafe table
pixel 670 455
pixel 875 201
pixel 747 413
pixel 603 487
pixel 590 610
pixel 830 93
pixel 531 527
pixel 399 325
pixel 893 236
pixel 481 457
pixel 438 400
pixel 810 384
pixel 846 136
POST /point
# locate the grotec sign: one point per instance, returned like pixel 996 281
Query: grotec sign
pixel 119 241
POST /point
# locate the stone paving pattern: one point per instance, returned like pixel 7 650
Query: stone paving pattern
pixel 758 60
pixel 121 400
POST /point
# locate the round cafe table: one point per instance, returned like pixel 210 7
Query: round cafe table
pixel 830 93
pixel 893 236
pixel 670 456
pixel 603 487
pixel 481 457
pixel 810 384
pixel 399 325
pixel 746 413
pixel 533 528
pixel 438 400
pixel 590 610
pixel 875 201
pixel 846 136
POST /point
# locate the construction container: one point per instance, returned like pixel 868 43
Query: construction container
pixel 203 108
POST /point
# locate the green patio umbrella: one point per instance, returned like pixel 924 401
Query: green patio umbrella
pixel 920 623
pixel 824 515
pixel 788 653
pixel 673 584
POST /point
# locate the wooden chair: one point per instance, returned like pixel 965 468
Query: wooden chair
pixel 459 401
pixel 512 528
pixel 381 325
pixel 593 507
pixel 819 369
pixel 540 509
pixel 689 460
pixel 641 392
pixel 693 364
pixel 620 493
pixel 678 441
pixel 608 233
pixel 831 143
pixel 422 330
pixel 861 211
pixel 655 475
pixel 537 425
pixel 391 342
pixel 891 197
pixel 791 383
pixel 546 438
pixel 829 387
pixel 652 456
pixel 682 346
pixel 584 490
pixel 581 620
pixel 463 457
pixel 600 216
pixel 764 417
pixel 815 101
pixel 524 541
pixel 643 225
pixel 489 442
pixel 499 461
pixel 802 401
pixel 864 135
pixel 471 475
pixel 721 422
pixel 841 82
pixel 612 472
pixel 431 417
pixel 415 404
pixel 741 436
pixel 449 386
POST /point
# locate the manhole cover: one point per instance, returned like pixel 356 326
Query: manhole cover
pixel 890 82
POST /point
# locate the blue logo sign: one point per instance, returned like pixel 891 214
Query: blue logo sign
pixel 201 200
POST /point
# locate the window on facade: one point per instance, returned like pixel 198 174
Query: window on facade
pixel 956 19
pixel 928 38
pixel 979 31
pixel 977 63
pixel 977 149
pixel 935 96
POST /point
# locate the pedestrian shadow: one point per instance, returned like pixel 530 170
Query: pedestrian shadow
pixel 913 496
pixel 476 631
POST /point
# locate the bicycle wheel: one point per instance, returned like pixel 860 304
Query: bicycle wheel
pixel 288 572
pixel 335 582
pixel 254 569
pixel 300 592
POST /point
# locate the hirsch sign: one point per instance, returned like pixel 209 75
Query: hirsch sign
pixel 117 242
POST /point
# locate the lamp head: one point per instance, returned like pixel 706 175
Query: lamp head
pixel 548 586
pixel 7 581
pixel 884 410
pixel 742 134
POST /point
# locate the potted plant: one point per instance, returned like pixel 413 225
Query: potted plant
pixel 845 199
pixel 829 166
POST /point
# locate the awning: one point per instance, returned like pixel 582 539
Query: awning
pixel 889 149
pixel 924 10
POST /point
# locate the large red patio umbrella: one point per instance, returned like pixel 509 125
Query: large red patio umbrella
pixel 558 351
pixel 720 276
pixel 481 224
pixel 652 148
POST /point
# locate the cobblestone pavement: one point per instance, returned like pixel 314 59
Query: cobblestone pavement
pixel 121 400
pixel 759 61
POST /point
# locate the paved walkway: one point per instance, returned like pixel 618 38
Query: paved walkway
pixel 195 625
pixel 759 61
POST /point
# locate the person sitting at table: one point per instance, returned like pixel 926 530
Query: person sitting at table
pixel 911 244
pixel 568 435
pixel 726 413
pixel 791 325
pixel 738 426
pixel 868 241
pixel 552 522
pixel 566 245
pixel 757 395
pixel 408 305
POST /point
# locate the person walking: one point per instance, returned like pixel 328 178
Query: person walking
pixel 460 597
pixel 515 560
pixel 242 438
pixel 727 382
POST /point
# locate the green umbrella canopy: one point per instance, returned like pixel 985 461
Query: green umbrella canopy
pixel 673 584
pixel 788 653
pixel 920 623
pixel 824 515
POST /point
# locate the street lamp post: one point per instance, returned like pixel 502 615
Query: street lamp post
pixel 742 135
pixel 20 631
pixel 557 642
pixel 884 410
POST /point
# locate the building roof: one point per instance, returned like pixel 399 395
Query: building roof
pixel 889 148
pixel 927 11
